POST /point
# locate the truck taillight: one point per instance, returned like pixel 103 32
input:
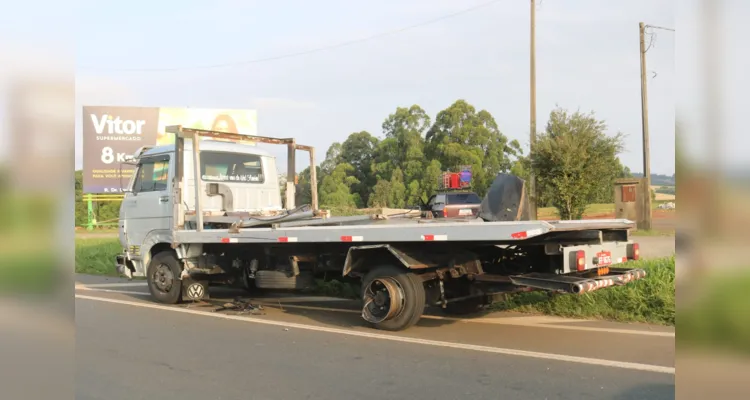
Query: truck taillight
pixel 580 260
pixel 636 251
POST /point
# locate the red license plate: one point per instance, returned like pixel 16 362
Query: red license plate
pixel 605 258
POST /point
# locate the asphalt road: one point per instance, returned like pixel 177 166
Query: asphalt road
pixel 129 347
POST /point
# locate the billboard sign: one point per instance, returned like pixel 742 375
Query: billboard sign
pixel 111 135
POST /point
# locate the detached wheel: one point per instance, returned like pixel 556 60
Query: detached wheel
pixel 164 278
pixel 394 299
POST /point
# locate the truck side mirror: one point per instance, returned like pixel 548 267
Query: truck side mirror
pixel 212 189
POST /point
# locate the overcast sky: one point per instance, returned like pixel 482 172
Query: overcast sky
pixel 587 59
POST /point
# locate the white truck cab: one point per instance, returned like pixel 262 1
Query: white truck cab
pixel 246 182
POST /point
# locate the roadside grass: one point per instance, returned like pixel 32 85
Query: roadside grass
pixel 719 318
pixel 29 273
pixel 335 288
pixel 595 209
pixel 591 209
pixel 96 256
pixel 29 262
pixel 650 300
pixel 668 232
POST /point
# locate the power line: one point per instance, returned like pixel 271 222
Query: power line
pixel 652 34
pixel 660 27
pixel 299 53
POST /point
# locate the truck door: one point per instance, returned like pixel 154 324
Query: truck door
pixel 148 208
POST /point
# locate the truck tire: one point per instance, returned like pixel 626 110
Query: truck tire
pixel 267 279
pixel 163 278
pixel 394 299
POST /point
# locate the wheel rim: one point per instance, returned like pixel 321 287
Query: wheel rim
pixel 163 278
pixel 384 300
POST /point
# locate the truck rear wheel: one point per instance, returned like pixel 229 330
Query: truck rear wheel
pixel 163 278
pixel 394 299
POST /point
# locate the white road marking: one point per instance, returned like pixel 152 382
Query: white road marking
pixel 528 321
pixel 112 291
pixel 121 284
pixel 556 325
pixel 461 346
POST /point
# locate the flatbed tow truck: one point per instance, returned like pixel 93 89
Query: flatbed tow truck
pixel 207 211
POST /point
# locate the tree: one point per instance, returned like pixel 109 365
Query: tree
pixel 358 150
pixel 403 148
pixel 463 136
pixel 430 180
pixel 575 160
pixel 407 126
pixel 335 190
pixel 385 159
pixel 333 158
pixel 605 192
pixel 304 193
pixel 397 198
pixel 381 193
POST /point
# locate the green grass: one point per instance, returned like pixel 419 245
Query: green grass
pixel 721 318
pixel 651 299
pixel 591 209
pixel 29 261
pixel 670 232
pixel 97 256
pixel 29 273
pixel 335 288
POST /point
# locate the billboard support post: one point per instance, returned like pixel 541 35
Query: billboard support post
pixel 91 217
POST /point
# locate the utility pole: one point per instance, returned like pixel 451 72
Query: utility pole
pixel 713 91
pixel 532 125
pixel 644 124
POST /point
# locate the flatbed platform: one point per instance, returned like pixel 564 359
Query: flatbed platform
pixel 398 230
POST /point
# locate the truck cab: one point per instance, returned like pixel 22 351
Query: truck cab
pixel 244 181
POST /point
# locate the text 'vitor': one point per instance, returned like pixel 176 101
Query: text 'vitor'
pixel 115 125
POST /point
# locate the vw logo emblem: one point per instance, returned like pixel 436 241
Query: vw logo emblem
pixel 195 291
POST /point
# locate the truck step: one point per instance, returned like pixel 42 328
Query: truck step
pixel 575 283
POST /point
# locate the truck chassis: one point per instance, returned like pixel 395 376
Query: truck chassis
pixel 403 263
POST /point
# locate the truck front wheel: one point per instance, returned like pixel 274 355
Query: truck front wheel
pixel 394 299
pixel 164 278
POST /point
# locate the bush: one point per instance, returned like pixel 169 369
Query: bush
pixel 651 299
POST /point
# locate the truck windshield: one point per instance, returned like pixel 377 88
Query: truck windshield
pixel 231 167
pixel 464 198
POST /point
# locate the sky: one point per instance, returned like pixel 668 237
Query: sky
pixel 587 59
